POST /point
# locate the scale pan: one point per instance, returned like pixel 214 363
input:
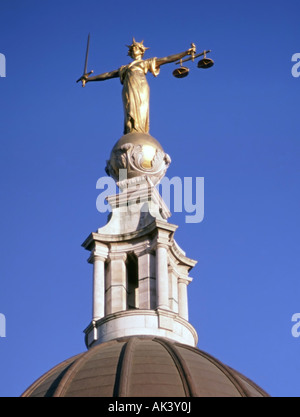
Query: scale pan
pixel 205 63
pixel 181 72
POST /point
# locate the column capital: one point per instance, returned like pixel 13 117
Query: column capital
pixel 94 258
pixel 98 252
pixel 117 256
pixel 145 251
pixel 164 236
pixel 183 279
pixel 172 269
pixel 161 244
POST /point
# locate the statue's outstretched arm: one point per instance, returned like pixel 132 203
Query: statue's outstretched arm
pixel 104 76
pixel 176 57
pixel 101 77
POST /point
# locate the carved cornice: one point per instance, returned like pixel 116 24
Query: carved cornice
pixel 110 238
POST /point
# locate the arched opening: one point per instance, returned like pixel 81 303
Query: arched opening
pixel 132 281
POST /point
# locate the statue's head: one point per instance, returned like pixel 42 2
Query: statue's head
pixel 136 49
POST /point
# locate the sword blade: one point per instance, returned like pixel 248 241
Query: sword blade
pixel 86 55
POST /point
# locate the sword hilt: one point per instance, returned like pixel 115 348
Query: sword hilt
pixel 82 79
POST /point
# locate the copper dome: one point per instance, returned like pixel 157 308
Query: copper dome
pixel 143 366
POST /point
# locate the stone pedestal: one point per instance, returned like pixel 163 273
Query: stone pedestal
pixel 140 273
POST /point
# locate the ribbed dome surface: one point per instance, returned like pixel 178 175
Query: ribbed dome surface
pixel 143 366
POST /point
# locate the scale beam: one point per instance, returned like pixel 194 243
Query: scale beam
pixel 193 57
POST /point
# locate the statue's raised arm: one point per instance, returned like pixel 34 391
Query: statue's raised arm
pixel 176 57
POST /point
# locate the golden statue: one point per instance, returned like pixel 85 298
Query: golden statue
pixel 135 91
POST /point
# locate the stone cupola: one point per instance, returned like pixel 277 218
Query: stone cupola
pixel 140 274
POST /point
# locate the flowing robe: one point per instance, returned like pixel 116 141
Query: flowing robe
pixel 136 94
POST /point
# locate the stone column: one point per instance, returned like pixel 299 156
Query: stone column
pixel 98 288
pixel 173 289
pixel 162 279
pixel 116 294
pixel 147 290
pixel 183 310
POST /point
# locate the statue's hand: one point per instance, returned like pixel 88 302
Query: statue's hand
pixel 84 78
pixel 192 49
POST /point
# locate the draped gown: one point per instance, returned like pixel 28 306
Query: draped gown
pixel 136 94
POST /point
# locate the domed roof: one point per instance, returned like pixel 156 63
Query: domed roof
pixel 143 366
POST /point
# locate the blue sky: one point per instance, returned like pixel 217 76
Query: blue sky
pixel 236 125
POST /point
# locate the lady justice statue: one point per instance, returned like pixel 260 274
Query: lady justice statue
pixel 135 93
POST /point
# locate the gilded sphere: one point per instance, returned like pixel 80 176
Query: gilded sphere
pixel 140 155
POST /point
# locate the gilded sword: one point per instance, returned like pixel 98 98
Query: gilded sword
pixel 85 73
